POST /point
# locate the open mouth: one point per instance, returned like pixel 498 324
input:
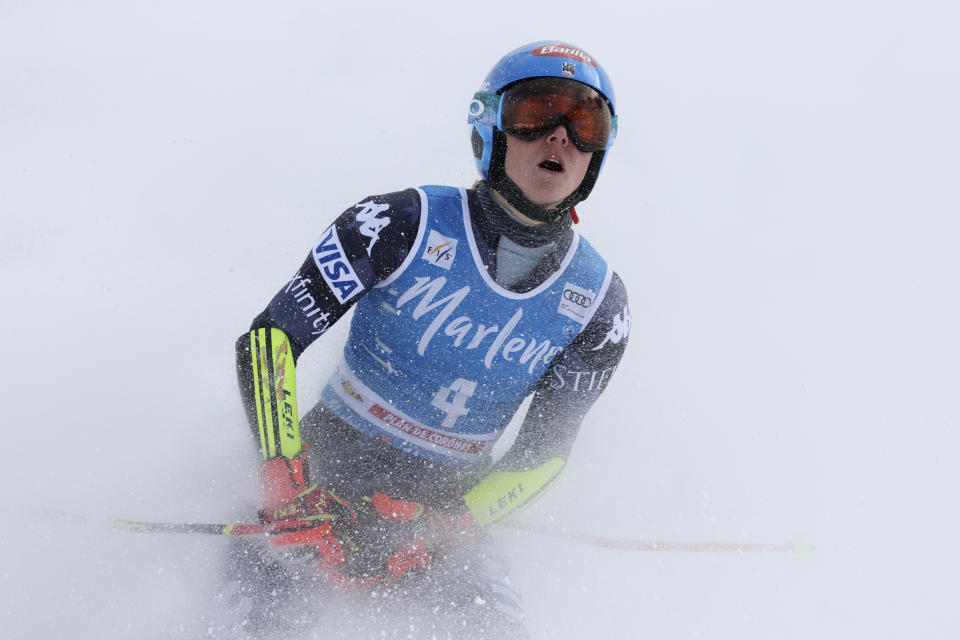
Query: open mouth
pixel 551 165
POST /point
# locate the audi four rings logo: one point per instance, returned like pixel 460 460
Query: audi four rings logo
pixel 576 298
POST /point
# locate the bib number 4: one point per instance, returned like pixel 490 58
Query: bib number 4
pixel 452 400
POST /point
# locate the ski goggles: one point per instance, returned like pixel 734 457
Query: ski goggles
pixel 535 107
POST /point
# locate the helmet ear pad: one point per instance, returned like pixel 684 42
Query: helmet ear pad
pixel 496 171
pixel 499 180
pixel 481 139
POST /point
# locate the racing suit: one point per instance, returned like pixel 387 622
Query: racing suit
pixel 461 313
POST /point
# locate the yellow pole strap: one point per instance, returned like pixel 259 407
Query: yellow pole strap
pixel 504 493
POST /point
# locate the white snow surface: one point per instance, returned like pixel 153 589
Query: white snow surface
pixel 781 203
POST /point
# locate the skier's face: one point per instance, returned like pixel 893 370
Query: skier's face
pixel 547 169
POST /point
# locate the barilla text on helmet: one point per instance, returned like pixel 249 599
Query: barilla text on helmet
pixel 561 51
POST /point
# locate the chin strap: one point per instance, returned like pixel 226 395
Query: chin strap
pixel 500 218
pixel 509 190
pixel 498 178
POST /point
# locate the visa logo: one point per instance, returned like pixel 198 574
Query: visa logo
pixel 335 268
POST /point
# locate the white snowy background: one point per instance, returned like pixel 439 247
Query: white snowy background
pixel 781 202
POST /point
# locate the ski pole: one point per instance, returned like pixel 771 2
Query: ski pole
pixel 208 528
pixel 144 526
pixel 798 547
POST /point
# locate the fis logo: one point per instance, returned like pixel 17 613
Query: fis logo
pixel 575 302
pixel 440 250
pixel 335 268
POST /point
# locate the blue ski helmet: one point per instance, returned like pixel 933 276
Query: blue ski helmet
pixel 546 58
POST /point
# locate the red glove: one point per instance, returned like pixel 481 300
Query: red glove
pixel 304 517
pixel 433 531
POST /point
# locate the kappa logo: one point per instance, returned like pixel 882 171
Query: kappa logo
pixel 372 225
pixel 575 302
pixel 620 330
pixel 335 268
pixel 440 250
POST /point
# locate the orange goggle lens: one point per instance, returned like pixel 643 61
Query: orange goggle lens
pixel 536 107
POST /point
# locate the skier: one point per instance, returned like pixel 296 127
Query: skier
pixel 467 301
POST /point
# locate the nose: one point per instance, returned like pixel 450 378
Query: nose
pixel 559 135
